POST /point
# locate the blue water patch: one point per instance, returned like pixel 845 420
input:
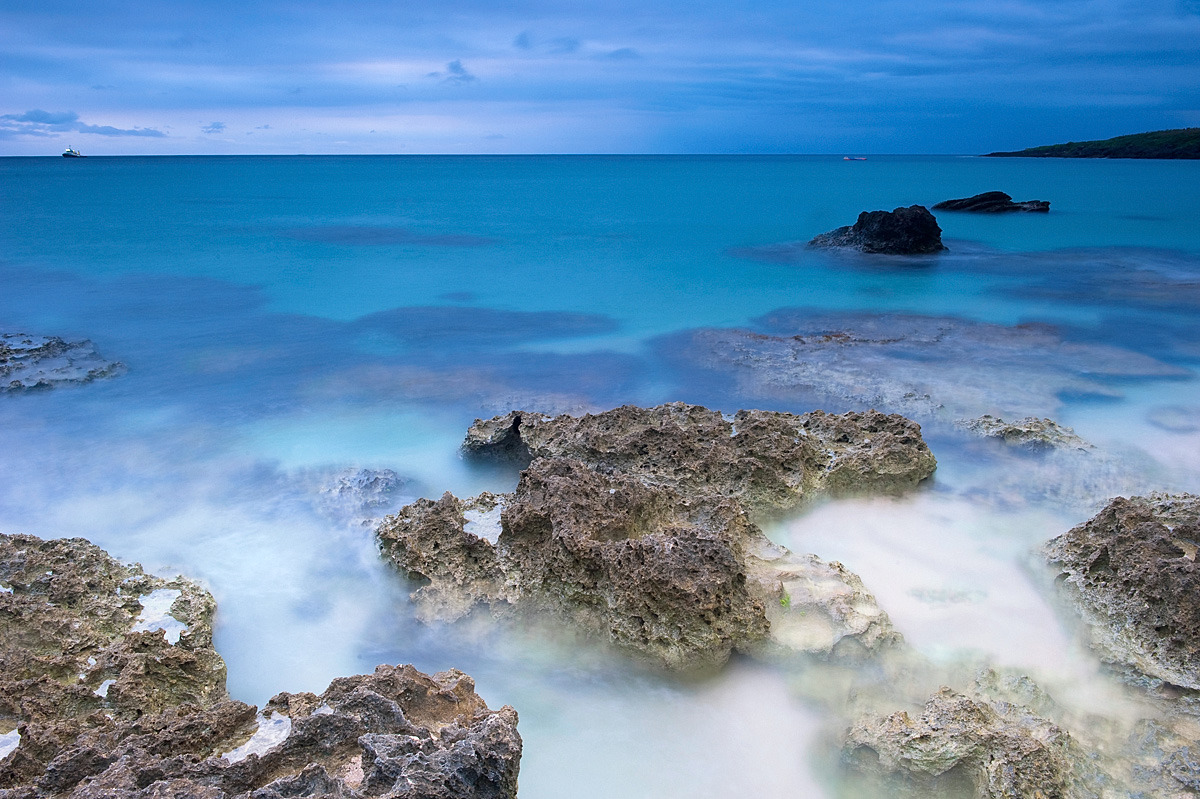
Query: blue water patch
pixel 290 322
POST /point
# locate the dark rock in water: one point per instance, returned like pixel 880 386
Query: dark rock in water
pixel 635 525
pixel 1131 571
pixel 1005 750
pixel 1030 433
pixel 993 202
pixel 33 362
pixel 904 231
pixel 110 687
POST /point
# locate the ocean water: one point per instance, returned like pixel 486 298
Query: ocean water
pixel 287 320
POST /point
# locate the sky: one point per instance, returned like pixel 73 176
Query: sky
pixel 605 76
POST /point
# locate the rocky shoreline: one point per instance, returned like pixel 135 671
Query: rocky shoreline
pixel 637 528
pixel 110 687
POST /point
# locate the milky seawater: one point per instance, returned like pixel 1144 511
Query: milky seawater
pixel 286 321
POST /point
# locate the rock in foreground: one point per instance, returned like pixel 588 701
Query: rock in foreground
pixel 1004 749
pixel 33 362
pixel 110 687
pixel 1131 571
pixel 993 202
pixel 903 231
pixel 636 526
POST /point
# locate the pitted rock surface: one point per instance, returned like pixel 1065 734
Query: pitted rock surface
pixel 1006 750
pixel 35 362
pixel 766 459
pixel 636 526
pixel 1030 433
pixel 96 701
pixel 1131 571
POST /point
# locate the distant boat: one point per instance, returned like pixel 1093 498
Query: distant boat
pixel 69 153
pixel 855 158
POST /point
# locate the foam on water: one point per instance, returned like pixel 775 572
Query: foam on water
pixel 271 732
pixel 9 742
pixel 156 614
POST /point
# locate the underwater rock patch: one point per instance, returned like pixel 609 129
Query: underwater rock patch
pixel 636 525
pixel 1031 433
pixel 34 362
pixel 903 231
pixel 96 701
pixel 1005 750
pixel 926 367
pixel 1131 572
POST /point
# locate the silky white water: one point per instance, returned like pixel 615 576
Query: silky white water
pixel 287 321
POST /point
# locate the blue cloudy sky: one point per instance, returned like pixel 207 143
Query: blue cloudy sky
pixel 923 76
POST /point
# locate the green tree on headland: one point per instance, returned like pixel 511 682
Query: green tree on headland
pixel 1180 143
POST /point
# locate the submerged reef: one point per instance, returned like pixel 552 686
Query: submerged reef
pixel 926 367
pixel 903 231
pixel 1005 750
pixel 110 687
pixel 35 362
pixel 1030 433
pixel 993 202
pixel 637 526
pixel 1131 572
pixel 1002 736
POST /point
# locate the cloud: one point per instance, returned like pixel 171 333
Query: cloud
pixel 455 73
pixel 622 54
pixel 37 122
pixel 524 41
pixel 213 127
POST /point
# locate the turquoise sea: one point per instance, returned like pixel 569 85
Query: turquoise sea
pixel 284 319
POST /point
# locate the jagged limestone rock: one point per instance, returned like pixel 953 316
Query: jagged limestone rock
pixel 1006 750
pixel 110 687
pixel 1131 572
pixel 636 526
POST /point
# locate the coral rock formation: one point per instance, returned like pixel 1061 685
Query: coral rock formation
pixel 636 525
pixel 110 687
pixel 1131 571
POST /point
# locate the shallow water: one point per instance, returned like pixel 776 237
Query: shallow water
pixel 284 319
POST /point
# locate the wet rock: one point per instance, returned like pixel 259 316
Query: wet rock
pixel 110 687
pixel 635 526
pixel 1030 433
pixel 1005 750
pixel 35 362
pixel 768 460
pixel 993 202
pixel 1131 572
pixel 903 231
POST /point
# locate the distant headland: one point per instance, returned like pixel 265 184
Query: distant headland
pixel 1180 143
